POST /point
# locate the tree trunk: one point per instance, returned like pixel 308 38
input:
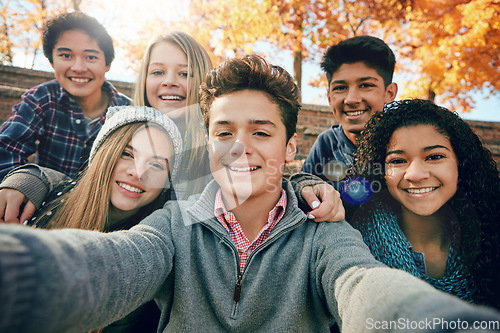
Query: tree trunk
pixel 297 69
pixel 431 95
pixel 76 5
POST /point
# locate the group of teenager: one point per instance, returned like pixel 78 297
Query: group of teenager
pixel 182 194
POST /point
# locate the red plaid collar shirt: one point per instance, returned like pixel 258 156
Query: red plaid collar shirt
pixel 228 220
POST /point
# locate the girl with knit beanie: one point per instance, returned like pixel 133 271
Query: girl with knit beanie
pixel 133 162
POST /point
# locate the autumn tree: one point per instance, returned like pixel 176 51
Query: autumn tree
pixel 449 49
pixel 303 27
pixel 6 54
pixel 21 25
pixel 452 48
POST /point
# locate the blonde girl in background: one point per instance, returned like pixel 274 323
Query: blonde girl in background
pixel 172 69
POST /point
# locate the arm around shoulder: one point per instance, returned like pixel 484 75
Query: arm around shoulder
pixel 34 181
pixel 301 180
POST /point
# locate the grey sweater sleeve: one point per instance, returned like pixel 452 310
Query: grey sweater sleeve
pixel 84 279
pixel 32 180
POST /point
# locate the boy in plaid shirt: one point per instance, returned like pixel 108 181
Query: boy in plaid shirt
pixel 58 120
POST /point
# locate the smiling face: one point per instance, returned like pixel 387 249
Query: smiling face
pixel 248 146
pixel 421 169
pixel 167 79
pixel 355 93
pixel 79 65
pixel 141 172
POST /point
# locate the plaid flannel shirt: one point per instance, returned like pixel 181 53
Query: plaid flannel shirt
pixel 50 123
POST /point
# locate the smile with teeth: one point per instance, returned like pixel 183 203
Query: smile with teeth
pixel 79 79
pixel 171 98
pixel 130 188
pixel 420 190
pixel 354 113
pixel 247 169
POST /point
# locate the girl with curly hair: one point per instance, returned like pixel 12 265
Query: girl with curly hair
pixel 436 207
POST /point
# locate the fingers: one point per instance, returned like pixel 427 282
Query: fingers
pixel 336 214
pixel 3 204
pixel 330 208
pixel 10 204
pixel 311 198
pixel 28 211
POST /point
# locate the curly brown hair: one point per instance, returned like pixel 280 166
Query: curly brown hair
pixel 478 182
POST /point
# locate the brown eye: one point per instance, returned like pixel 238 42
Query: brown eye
pixel 435 157
pixel 395 161
pixel 127 154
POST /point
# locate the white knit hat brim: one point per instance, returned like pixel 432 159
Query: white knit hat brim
pixel 118 116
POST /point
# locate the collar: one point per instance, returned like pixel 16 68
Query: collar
pixel 223 215
pixel 200 208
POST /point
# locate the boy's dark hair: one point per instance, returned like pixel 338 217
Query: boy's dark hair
pixel 55 27
pixel 255 73
pixel 372 51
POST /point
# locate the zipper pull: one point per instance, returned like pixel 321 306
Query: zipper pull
pixel 237 289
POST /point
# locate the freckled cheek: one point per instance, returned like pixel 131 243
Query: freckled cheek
pixel 389 172
pixel 454 182
pixel 274 164
pixel 153 194
pixel 119 170
pixel 152 85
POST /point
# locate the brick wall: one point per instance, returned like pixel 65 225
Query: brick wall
pixel 313 119
pixel 14 81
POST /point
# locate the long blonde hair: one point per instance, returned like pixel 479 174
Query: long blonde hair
pixel 94 186
pixel 199 64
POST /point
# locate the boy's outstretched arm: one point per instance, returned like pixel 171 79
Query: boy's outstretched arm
pixel 77 280
pixel 391 300
pixel 366 296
